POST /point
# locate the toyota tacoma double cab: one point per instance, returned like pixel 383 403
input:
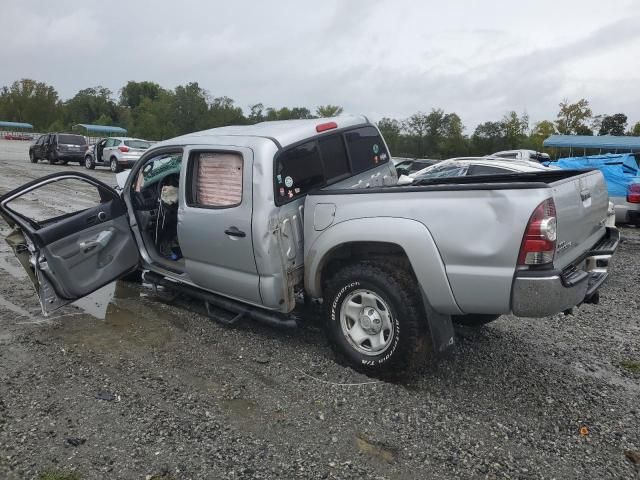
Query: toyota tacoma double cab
pixel 255 219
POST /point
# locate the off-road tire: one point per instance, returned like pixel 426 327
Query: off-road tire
pixel 89 164
pixel 32 158
pixel 113 165
pixel 474 320
pixel 411 345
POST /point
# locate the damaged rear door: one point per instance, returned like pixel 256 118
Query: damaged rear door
pixel 71 234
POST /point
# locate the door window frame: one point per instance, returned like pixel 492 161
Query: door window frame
pixel 189 194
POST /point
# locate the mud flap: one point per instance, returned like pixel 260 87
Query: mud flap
pixel 440 327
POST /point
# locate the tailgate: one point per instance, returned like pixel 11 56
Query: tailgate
pixel 581 210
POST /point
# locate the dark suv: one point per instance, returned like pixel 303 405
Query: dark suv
pixel 58 148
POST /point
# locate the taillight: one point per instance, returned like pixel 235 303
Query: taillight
pixel 539 242
pixel 123 148
pixel 633 193
pixel 323 127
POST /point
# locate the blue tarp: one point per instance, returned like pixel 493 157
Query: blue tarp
pixel 619 170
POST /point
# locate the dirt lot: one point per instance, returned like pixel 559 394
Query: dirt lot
pixel 128 385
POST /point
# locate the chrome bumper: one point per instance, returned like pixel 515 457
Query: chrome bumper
pixel 544 293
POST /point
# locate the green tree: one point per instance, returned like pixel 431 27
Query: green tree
pixel 613 124
pixel 635 131
pixel 223 111
pixel 573 117
pixel 540 132
pixel 89 105
pixel 132 94
pixel 515 129
pixel 190 110
pixel 256 113
pixel 488 138
pixel 390 129
pixel 153 119
pixel 454 142
pixel 30 101
pixel 417 126
pixel 328 110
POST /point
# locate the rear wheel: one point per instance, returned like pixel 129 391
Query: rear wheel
pixel 88 163
pixel 474 320
pixel 374 317
pixel 113 164
pixel 32 157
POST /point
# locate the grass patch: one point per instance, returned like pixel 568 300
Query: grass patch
pixel 58 475
pixel 631 365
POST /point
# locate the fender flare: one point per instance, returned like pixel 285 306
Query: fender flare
pixel 411 236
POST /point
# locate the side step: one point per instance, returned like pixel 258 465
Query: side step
pixel 274 319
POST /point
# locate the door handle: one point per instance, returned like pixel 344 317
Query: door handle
pixel 101 241
pixel 234 232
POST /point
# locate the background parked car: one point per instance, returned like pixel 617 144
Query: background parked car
pixel 115 152
pixel 409 166
pixel 58 148
pixel 472 166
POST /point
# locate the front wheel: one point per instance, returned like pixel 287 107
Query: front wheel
pixel 113 164
pixel 32 158
pixel 374 317
pixel 88 163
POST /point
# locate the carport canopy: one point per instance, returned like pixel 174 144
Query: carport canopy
pixel 599 142
pixel 16 125
pixel 101 129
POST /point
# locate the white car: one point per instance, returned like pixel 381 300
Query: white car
pixel 472 166
pixel 115 152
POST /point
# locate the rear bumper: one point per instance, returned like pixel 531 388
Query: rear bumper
pixel 543 293
pixel 626 212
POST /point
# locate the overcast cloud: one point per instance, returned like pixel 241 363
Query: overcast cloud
pixel 380 58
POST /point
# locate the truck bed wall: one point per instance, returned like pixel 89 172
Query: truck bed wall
pixel 476 233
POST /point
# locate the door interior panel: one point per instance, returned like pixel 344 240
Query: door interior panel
pixel 81 262
pixel 63 227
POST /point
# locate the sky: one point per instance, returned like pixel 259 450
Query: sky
pixel 380 58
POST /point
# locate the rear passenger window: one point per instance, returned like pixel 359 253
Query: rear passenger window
pixel 216 180
pixel 334 157
pixel 366 149
pixel 298 171
pixel 486 170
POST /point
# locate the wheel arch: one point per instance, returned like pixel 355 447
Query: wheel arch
pixel 389 239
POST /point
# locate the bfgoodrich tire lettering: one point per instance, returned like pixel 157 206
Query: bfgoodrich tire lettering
pixel 387 294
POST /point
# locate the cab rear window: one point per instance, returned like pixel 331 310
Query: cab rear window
pixel 366 149
pixel 326 160
pixel 298 170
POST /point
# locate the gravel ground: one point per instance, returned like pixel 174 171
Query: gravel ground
pixel 126 384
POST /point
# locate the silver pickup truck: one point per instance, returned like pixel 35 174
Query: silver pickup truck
pixel 255 219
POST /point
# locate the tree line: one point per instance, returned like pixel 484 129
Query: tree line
pixel 150 111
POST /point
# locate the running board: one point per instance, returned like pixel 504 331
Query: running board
pixel 274 319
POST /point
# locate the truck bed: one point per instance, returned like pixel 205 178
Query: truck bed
pixel 477 224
